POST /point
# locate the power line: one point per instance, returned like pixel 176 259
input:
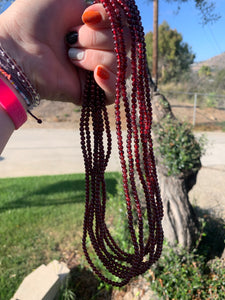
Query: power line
pixel 210 31
pixel 214 39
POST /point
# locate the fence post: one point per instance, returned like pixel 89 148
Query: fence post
pixel 195 104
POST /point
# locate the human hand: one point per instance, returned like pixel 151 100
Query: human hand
pixel 34 35
pixel 94 49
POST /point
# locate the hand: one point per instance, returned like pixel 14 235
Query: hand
pixel 94 49
pixel 34 35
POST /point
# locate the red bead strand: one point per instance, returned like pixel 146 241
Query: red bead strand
pixel 138 158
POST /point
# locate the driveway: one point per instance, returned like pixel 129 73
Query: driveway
pixel 40 151
pixel 209 191
pixel 32 152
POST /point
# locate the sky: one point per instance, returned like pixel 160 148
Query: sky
pixel 205 41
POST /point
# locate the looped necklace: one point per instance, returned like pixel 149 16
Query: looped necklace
pixel 137 157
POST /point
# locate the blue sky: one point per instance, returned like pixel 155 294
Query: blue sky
pixel 205 41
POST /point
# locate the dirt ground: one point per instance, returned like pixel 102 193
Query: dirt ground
pixel 59 115
pixel 206 118
pixel 67 115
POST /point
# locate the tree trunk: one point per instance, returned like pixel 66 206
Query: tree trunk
pixel 180 223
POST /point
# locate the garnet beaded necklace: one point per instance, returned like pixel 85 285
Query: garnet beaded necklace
pixel 137 158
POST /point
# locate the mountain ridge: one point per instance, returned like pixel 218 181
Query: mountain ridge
pixel 215 63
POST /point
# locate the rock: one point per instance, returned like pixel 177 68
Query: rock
pixel 43 283
pixel 223 255
pixel 139 289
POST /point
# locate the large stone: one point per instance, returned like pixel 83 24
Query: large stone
pixel 223 255
pixel 43 283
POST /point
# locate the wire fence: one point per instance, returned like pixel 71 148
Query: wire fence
pixel 198 108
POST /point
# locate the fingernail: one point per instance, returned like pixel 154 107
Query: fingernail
pixel 76 53
pixel 72 37
pixel 102 73
pixel 91 17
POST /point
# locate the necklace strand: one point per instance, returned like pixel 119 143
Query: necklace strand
pixel 137 158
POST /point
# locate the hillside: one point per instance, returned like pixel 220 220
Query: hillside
pixel 215 63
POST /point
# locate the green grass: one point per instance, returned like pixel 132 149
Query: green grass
pixel 41 218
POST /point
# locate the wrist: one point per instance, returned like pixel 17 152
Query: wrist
pixel 17 94
pixel 14 57
pixel 18 79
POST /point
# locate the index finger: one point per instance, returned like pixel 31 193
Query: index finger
pixel 96 17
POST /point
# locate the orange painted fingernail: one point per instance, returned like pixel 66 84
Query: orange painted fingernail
pixel 102 73
pixel 91 17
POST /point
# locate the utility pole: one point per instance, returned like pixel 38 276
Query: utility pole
pixel 155 42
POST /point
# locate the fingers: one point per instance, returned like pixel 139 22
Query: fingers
pixel 96 33
pixel 88 58
pixel 92 48
pixel 95 16
pixel 98 39
pixel 94 39
pixel 107 81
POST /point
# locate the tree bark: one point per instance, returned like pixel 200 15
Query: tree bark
pixel 180 223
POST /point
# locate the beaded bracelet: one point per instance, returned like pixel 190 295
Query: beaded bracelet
pixel 14 74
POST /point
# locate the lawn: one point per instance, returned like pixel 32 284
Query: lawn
pixel 40 218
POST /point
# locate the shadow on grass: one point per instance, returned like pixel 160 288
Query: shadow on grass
pixel 212 242
pixel 85 285
pixel 60 192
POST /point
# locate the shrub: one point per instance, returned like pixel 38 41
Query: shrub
pixel 178 147
pixel 211 100
pixel 205 71
pixel 184 275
